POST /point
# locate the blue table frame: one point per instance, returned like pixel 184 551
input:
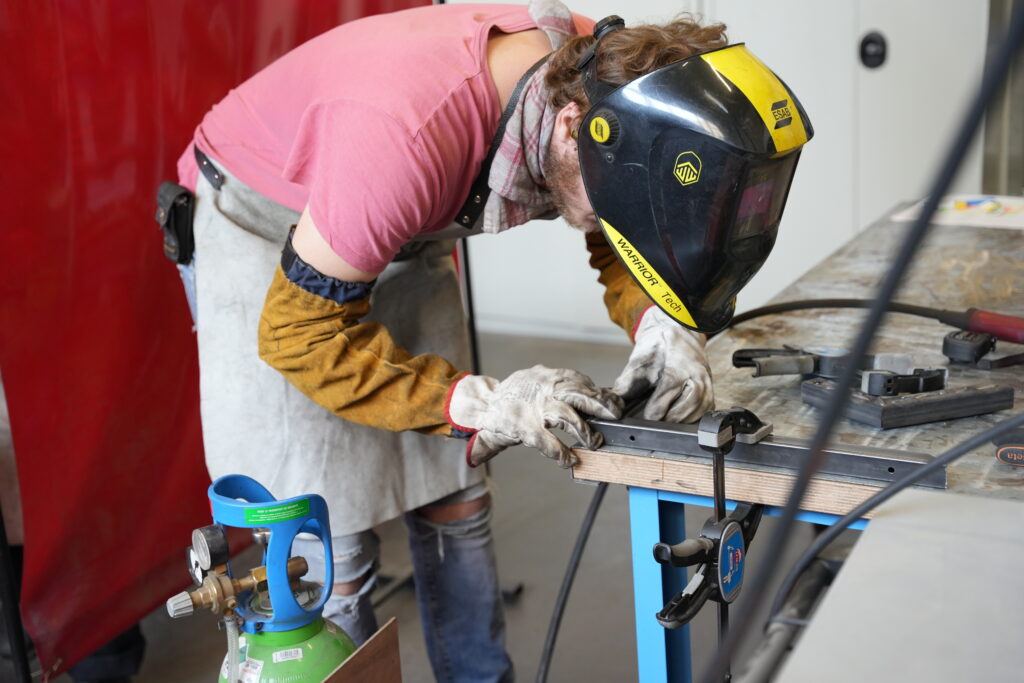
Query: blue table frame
pixel 655 516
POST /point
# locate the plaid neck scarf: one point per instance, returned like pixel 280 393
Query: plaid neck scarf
pixel 518 193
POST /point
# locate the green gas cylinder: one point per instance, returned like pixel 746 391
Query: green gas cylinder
pixel 286 639
pixel 306 654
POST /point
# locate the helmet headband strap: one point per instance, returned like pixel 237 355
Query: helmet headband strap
pixel 595 88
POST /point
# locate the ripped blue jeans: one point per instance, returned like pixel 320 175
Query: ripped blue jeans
pixel 456 588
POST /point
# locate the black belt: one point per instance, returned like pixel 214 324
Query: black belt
pixel 208 170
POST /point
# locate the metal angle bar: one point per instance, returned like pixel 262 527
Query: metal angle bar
pixel 878 464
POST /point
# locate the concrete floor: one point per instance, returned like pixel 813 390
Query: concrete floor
pixel 538 510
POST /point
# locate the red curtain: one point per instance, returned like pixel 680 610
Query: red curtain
pixel 96 349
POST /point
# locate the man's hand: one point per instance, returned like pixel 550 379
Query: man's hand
pixel 669 359
pixel 524 407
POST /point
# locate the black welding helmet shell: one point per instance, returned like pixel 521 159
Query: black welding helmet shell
pixel 688 169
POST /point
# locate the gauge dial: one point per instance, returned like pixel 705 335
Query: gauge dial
pixel 194 569
pixel 211 546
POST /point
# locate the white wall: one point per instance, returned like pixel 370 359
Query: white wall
pixel 909 109
pixel 814 57
pixel 879 134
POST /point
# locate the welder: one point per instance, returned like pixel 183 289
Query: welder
pixel 329 188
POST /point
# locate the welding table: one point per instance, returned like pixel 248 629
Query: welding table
pixel 957 268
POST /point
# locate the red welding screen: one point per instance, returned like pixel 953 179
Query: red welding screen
pixel 97 354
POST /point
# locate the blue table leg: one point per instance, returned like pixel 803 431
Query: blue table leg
pixel 655 516
pixel 662 655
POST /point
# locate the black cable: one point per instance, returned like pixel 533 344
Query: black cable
pixel 570 574
pixel 954 318
pixel 830 534
pixel 990 83
pixel 467 288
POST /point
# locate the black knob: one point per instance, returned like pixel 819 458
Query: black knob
pixel 873 50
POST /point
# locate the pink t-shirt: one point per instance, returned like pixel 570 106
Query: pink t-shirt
pixel 380 125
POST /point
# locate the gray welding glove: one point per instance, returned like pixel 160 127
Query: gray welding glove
pixel 668 359
pixel 523 409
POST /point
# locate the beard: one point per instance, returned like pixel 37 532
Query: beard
pixel 562 177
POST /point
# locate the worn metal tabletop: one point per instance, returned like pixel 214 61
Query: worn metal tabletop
pixel 957 268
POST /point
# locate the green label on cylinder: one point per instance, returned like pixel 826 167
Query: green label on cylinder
pixel 277 513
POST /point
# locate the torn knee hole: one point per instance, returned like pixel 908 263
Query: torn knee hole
pixel 453 512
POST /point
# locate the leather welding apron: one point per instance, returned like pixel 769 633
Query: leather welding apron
pixel 256 423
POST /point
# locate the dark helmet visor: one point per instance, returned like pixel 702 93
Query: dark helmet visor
pixel 689 173
pixel 714 239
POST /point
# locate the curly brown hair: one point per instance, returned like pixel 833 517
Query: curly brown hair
pixel 627 54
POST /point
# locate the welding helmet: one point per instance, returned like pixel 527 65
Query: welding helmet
pixel 688 169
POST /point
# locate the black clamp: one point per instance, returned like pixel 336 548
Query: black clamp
pixel 720 550
pixel 797 361
pixel 786 361
pixel 882 383
pixel 966 347
pixel 882 374
pixel 708 551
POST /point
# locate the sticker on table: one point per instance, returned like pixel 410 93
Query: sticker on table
pixel 979 211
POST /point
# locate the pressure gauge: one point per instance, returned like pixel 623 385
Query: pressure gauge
pixel 211 546
pixel 195 571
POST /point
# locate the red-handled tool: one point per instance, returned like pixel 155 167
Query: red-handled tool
pixel 1005 327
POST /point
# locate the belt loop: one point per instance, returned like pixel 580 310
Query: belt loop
pixel 208 170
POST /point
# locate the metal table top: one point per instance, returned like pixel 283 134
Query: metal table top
pixel 957 268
